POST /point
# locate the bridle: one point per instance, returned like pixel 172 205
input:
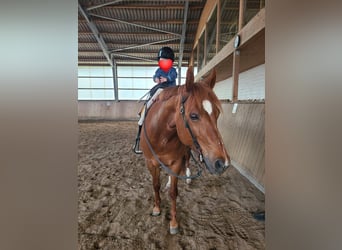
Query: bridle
pixel 194 139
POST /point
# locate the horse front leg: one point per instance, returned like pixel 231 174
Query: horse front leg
pixel 173 194
pixel 155 172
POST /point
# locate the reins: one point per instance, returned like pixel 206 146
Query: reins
pixel 168 170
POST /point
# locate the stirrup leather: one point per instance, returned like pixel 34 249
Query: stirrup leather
pixel 136 148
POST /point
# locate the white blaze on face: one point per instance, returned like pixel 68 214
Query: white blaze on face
pixel 207 106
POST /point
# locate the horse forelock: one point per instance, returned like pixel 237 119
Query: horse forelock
pixel 201 92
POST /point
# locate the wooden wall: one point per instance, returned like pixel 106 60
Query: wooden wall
pixel 244 136
pixel 108 110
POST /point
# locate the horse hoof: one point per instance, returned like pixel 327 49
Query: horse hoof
pixel 154 214
pixel 174 230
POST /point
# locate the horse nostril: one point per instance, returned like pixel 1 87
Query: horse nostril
pixel 219 165
pixel 215 167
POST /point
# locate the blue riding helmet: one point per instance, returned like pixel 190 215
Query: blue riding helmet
pixel 167 53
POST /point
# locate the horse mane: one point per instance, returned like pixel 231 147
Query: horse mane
pixel 169 92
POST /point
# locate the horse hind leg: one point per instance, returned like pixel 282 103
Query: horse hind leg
pixel 168 184
pixel 187 166
pixel 188 173
pixel 188 180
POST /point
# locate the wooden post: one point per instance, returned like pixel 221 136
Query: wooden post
pixel 218 25
pixel 236 69
pixel 241 14
pixel 199 64
pixel 205 45
pixel 236 55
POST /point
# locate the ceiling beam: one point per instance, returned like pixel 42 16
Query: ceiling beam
pixel 144 45
pixel 142 54
pixel 144 20
pixel 137 25
pixel 97 34
pixel 166 21
pixel 121 47
pixel 149 34
pixel 147 6
pixel 181 45
pixel 133 57
pixel 104 4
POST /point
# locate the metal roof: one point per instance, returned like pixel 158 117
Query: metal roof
pixel 132 32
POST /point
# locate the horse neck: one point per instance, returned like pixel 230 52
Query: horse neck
pixel 161 115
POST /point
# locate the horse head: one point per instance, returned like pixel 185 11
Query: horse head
pixel 197 122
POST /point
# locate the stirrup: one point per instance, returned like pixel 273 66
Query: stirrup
pixel 136 147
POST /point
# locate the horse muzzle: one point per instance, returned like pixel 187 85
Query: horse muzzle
pixel 217 166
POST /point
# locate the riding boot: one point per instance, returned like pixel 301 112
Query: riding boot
pixel 137 141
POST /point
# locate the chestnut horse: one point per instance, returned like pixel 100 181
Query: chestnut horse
pixel 183 117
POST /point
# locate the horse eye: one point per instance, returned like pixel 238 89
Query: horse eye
pixel 194 116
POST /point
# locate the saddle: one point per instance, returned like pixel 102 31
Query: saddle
pixel 158 86
pixel 163 85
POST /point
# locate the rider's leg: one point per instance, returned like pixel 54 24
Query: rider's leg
pixel 153 98
pixel 141 120
pixel 136 148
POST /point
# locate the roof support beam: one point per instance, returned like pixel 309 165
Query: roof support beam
pixel 115 80
pixel 143 45
pixel 97 34
pixel 133 57
pixel 104 4
pixel 181 46
pixel 134 24
pixel 173 21
pixel 147 5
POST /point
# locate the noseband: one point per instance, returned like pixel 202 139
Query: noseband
pixel 198 147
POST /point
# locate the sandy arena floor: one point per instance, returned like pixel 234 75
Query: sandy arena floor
pixel 116 198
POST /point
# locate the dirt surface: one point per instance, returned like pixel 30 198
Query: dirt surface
pixel 116 199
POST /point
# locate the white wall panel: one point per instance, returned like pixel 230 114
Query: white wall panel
pixel 252 83
pixel 223 89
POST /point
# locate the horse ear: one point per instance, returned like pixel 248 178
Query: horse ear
pixel 210 80
pixel 189 79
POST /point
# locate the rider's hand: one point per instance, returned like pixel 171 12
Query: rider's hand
pixel 162 79
pixel 156 80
